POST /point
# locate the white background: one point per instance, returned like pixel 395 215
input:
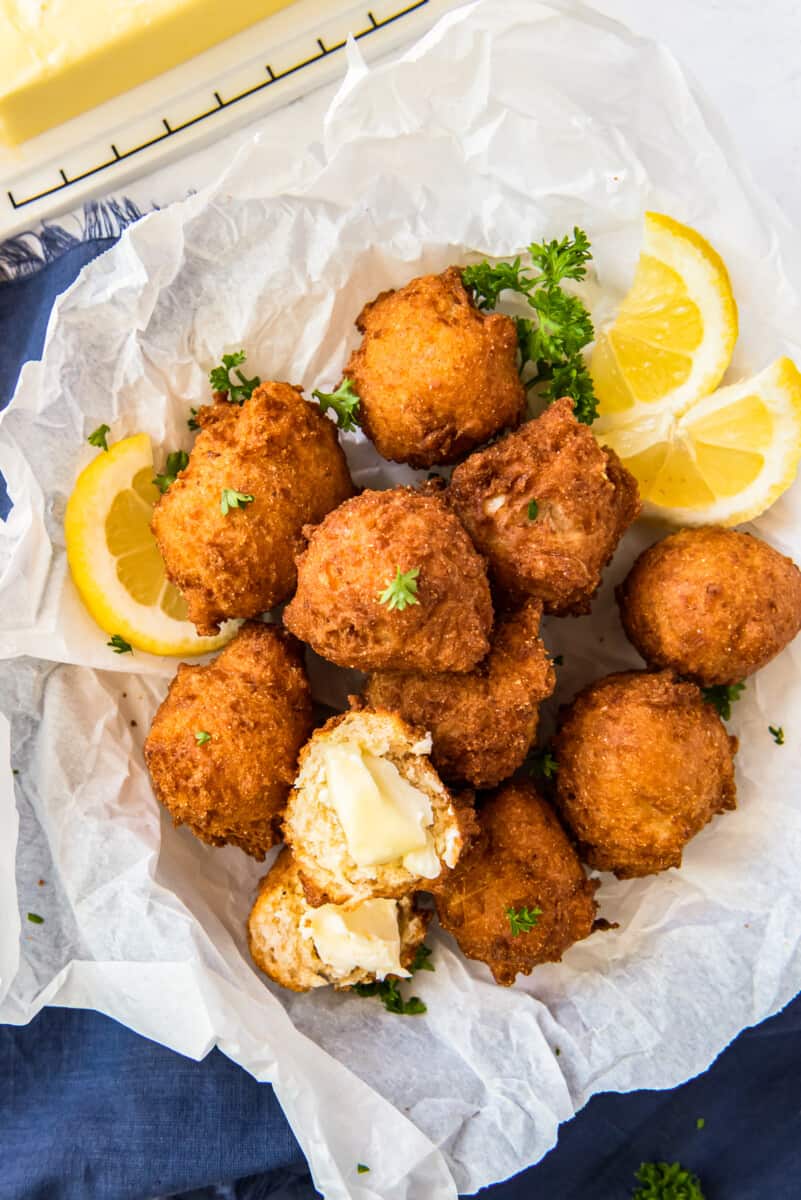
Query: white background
pixel 744 54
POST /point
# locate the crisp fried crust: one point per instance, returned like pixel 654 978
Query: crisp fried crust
pixel 278 947
pixel 482 723
pixel 644 764
pixel 281 450
pixel 313 830
pixel 522 858
pixel 585 500
pixel 352 557
pixel 436 377
pixel 711 603
pixel 255 701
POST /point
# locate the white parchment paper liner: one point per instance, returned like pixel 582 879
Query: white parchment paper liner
pixel 509 121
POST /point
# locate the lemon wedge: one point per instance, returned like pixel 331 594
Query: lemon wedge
pixel 674 333
pixel 115 561
pixel 726 458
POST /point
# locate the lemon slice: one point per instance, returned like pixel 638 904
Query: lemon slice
pixel 726 458
pixel 674 333
pixel 115 561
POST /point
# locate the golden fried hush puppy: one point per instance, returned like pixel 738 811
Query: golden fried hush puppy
pixel 547 506
pixel 223 747
pixel 519 895
pixel 435 376
pixel 229 527
pixel 302 947
pixel 368 816
pixel 644 764
pixel 390 580
pixel 482 723
pixel 711 603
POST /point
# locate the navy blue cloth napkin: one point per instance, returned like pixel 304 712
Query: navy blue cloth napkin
pixel 91 1111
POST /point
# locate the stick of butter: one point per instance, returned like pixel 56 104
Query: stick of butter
pixel 59 58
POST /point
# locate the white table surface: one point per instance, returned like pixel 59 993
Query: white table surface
pixel 744 54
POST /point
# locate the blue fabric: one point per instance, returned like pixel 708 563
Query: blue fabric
pixel 90 1111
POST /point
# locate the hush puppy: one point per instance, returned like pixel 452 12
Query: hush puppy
pixel 229 527
pixel 368 817
pixel 302 947
pixel 547 506
pixel 644 764
pixel 711 603
pixel 390 580
pixel 519 896
pixel 482 723
pixel 435 376
pixel 223 747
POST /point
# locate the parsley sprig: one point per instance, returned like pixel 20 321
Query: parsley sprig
pixel 389 992
pixel 722 695
pixel 666 1181
pixel 550 344
pixel 777 733
pixel 345 403
pixel 119 645
pixel 230 498
pixel 176 461
pixel 220 378
pixel 202 736
pixel 523 920
pixel 401 591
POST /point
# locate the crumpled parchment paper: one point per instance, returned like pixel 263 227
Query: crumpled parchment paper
pixel 509 121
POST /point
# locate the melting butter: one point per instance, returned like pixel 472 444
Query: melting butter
pixel 367 936
pixel 384 818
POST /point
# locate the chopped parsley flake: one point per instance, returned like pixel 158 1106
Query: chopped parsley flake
pixel 523 920
pixel 232 499
pixel 401 591
pixel 98 437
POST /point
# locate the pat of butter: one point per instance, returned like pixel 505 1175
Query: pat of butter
pixel 59 58
pixel 383 817
pixel 366 937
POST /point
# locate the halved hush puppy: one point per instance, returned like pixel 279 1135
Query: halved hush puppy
pixel 369 816
pixel 301 947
